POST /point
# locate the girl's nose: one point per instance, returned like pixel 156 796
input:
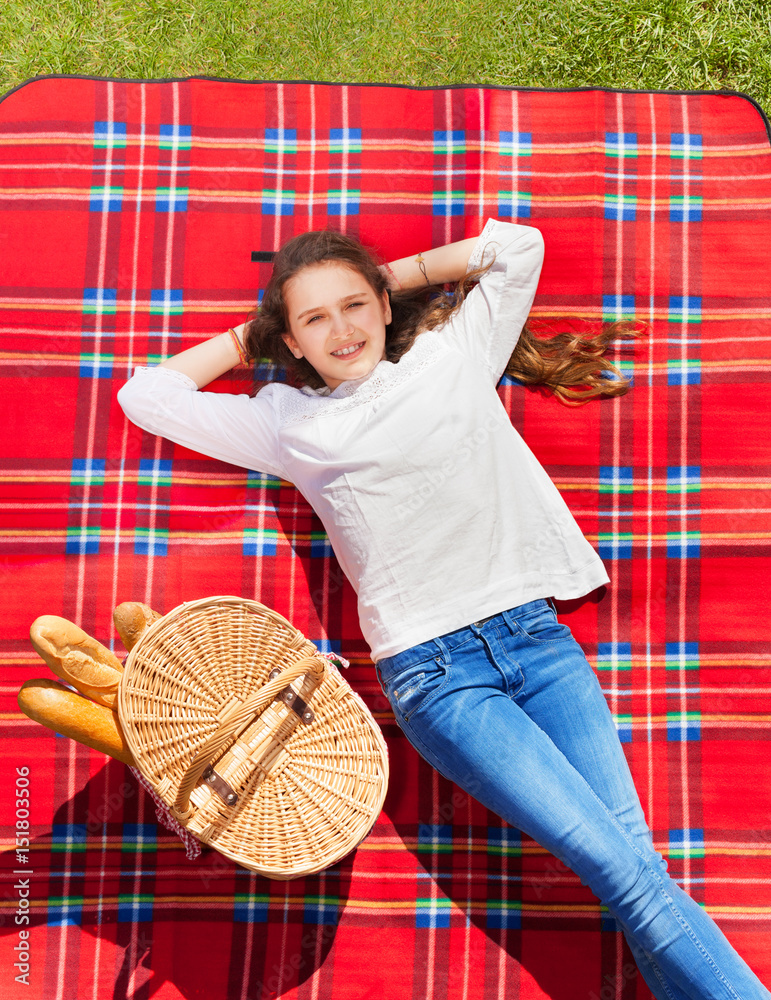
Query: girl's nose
pixel 342 325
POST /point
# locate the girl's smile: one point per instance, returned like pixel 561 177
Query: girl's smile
pixel 337 322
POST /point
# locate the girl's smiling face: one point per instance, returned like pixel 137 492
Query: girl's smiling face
pixel 336 321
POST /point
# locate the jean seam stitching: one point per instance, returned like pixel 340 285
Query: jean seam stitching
pixel 698 943
pixel 443 659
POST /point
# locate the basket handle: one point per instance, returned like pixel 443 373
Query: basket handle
pixel 235 718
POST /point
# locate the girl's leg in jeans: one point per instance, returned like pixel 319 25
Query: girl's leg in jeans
pixel 565 689
pixel 457 700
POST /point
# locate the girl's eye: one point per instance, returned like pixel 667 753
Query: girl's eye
pixel 313 318
pixel 351 305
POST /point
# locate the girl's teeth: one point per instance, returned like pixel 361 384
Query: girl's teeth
pixel 348 350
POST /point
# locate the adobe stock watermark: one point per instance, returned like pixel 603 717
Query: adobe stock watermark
pixel 464 452
pixel 613 984
pixel 281 974
pixel 23 885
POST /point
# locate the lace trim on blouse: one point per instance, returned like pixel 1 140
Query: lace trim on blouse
pixel 304 404
pixel 180 377
pixel 477 258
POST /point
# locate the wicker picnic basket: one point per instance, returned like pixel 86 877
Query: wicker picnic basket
pixel 256 742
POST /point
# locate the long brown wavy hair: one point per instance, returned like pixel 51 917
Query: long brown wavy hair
pixel 571 363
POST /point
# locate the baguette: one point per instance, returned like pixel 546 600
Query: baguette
pixel 77 658
pixel 55 706
pixel 132 620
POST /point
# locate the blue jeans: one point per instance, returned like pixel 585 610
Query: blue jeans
pixel 511 711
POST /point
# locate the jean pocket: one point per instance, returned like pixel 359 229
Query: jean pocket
pixel 541 626
pixel 414 685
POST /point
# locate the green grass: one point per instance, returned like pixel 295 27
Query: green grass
pixel 659 45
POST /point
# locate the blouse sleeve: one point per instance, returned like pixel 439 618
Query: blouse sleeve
pixel 239 429
pixel 487 325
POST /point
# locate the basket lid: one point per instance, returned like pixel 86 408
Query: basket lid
pixel 308 783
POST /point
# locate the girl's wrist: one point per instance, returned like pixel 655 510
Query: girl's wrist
pixel 238 346
pixel 393 282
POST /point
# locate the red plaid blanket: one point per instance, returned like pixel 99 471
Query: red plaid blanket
pixel 129 213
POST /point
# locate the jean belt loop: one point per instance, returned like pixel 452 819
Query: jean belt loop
pixel 507 617
pixel 444 652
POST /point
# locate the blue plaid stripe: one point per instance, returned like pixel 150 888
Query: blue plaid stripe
pixel 171 199
pixel 258 480
pixel 615 545
pixel 683 478
pixel 100 301
pixel 504 840
pixel 327 645
pixel 343 202
pixel 621 144
pixel 685 307
pixel 434 837
pixel 614 656
pixel 133 908
pixel 139 837
pixel 68 837
pixel 684 843
pixel 683 544
pixel 503 913
pixel 281 141
pixel 682 655
pixel 621 207
pixel 321 910
pixel 616 307
pixel 151 541
pixel 259 541
pixel 175 136
pixel 166 302
pixel 616 479
pixel 64 910
pixel 683 372
pixel 110 135
pixel 685 208
pixel 683 727
pixel 250 908
pixel 433 912
pixel 321 547
pixel 449 142
pixel 345 140
pixel 106 198
pixel 155 471
pixel 82 540
pixel 624 727
pixel 514 204
pixel 685 146
pixel 515 143
pixel 96 365
pixel 275 202
pixel 87 471
pixel 449 203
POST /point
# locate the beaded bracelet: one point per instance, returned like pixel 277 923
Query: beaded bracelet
pixel 242 358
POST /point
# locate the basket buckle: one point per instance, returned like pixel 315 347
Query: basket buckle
pixel 292 700
pixel 220 786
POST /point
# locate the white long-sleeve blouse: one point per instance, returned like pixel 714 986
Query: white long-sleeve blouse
pixel 437 510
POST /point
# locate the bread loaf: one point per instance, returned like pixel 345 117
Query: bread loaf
pixel 77 658
pixel 55 706
pixel 132 620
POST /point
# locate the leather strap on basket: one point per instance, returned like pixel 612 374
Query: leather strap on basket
pixel 235 719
